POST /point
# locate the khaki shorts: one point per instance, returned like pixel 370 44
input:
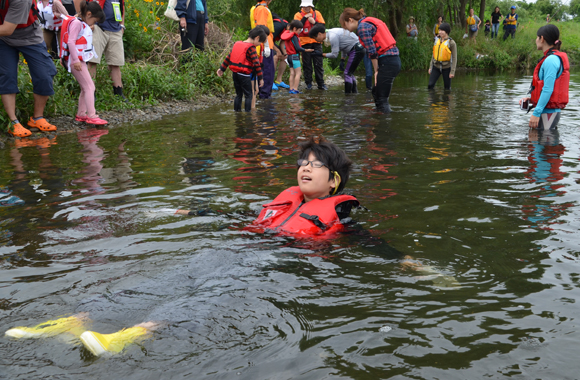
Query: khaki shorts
pixel 110 44
pixel 472 33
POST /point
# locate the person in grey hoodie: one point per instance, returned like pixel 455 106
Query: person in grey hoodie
pixel 347 44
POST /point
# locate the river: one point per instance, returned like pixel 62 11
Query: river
pixel 465 265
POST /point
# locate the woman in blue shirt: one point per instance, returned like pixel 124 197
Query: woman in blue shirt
pixel 549 90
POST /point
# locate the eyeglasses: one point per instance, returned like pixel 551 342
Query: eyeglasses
pixel 315 164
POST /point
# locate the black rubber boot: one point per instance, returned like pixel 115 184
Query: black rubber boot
pixel 119 91
pixel 383 105
pixel 354 88
pixel 347 88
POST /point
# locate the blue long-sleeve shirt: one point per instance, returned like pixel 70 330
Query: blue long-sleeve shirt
pixel 190 13
pixel 549 71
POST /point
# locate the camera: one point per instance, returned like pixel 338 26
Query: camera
pixel 526 106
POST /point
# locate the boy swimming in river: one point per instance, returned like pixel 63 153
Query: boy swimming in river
pixel 316 206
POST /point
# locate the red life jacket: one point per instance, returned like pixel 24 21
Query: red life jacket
pixel 307 25
pixel 559 97
pixel 239 62
pixel 383 38
pixel 289 216
pixel 32 14
pixel 84 42
pixel 287 38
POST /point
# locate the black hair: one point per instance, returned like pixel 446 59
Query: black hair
pixel 445 27
pixel 551 35
pixel 316 30
pixel 264 28
pixel 295 24
pixel 258 32
pixel 94 8
pixel 331 155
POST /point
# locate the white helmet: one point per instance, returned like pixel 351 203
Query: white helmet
pixel 306 3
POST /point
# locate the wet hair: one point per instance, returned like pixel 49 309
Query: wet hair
pixel 258 32
pixel 331 155
pixel 445 27
pixel 295 24
pixel 94 8
pixel 353 13
pixel 316 30
pixel 551 35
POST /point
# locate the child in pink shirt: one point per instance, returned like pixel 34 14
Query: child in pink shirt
pixel 80 50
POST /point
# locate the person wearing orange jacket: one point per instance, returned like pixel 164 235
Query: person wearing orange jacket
pixel 260 14
pixel 309 17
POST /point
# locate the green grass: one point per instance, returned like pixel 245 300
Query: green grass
pixel 487 53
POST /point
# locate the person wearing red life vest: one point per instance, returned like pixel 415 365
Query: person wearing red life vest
pixel 309 17
pixel 108 41
pixel 20 33
pixel 381 48
pixel 293 49
pixel 315 208
pixel 551 80
pixel 243 61
pixel 76 51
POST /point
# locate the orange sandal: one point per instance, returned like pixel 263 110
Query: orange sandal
pixel 41 124
pixel 18 130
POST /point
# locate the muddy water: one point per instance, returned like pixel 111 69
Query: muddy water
pixel 487 211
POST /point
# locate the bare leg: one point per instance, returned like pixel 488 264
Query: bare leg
pixel 116 75
pixel 39 104
pixel 281 68
pixel 9 101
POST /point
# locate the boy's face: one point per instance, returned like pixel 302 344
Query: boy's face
pixel 314 182
pixel 256 41
pixel 297 30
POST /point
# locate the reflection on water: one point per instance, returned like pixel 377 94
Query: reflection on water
pixel 452 179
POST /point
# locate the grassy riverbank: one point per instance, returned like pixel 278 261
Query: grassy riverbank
pixel 157 71
pixel 486 53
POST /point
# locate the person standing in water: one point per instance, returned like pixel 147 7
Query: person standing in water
pixel 381 48
pixel 444 60
pixel 551 80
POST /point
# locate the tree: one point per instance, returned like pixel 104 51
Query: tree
pixel 575 8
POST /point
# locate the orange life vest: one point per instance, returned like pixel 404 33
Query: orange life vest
pixel 559 97
pixel 239 62
pixel 32 14
pixel 383 38
pixel 288 215
pixel 84 42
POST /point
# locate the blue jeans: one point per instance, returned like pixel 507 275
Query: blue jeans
pixel 494 30
pixel 40 64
